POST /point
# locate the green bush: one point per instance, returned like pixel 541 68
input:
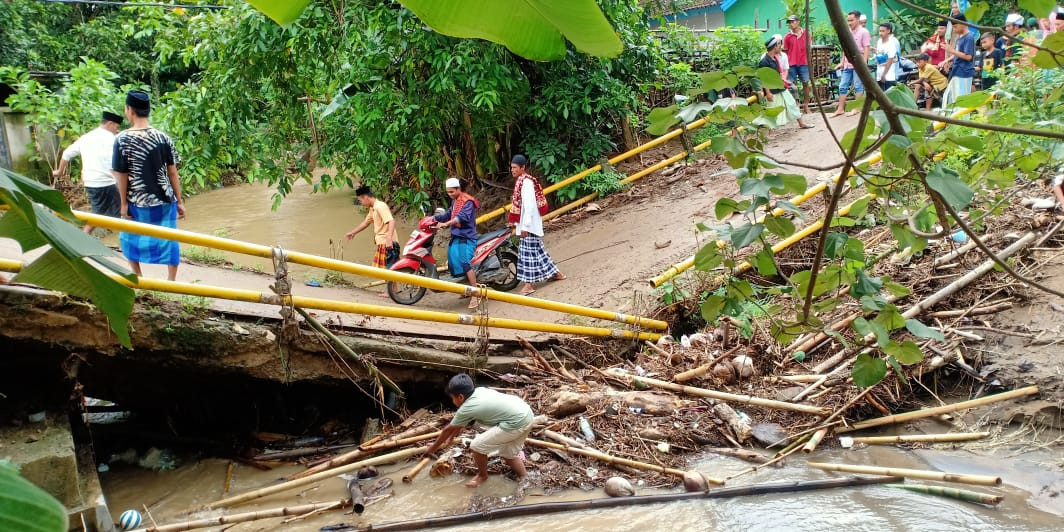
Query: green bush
pixel 738 46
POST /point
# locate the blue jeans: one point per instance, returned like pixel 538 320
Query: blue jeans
pixel 798 72
pixel 847 79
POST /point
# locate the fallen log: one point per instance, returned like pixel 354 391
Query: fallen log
pixel 422 433
pixel 981 480
pixel 929 438
pixel 615 460
pixel 358 500
pixel 953 493
pixel 977 311
pixel 929 412
pixel 614 502
pixel 245 517
pixel 724 396
pixel 566 403
pixel 291 484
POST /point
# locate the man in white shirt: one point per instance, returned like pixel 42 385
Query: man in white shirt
pixel 96 148
pixel 534 265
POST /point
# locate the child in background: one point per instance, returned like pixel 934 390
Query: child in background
pixel 930 80
pixel 988 60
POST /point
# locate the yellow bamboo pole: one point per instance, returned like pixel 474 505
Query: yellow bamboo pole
pixel 285 486
pixel 925 438
pixel 12 266
pixel 946 409
pixel 981 480
pixel 251 296
pixel 614 160
pixel 680 267
pixel 723 396
pixel 258 250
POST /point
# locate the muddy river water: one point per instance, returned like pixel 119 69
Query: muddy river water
pixel 1032 484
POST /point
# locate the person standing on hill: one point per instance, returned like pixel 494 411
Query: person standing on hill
pixel 144 163
pixel 527 208
pixel 384 235
pixel 797 51
pixel 933 45
pixel 847 75
pixel 962 62
pixel 462 219
pixel 96 149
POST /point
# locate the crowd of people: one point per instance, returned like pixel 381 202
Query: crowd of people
pixel 952 62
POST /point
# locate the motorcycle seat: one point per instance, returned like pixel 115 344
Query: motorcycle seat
pixel 488 236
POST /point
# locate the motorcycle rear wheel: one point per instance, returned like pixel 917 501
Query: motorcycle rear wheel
pixel 404 293
pixel 508 262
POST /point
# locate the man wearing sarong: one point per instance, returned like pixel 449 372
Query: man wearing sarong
pixel 528 206
pixel 779 97
pixel 384 235
pixel 462 219
pixel 144 164
pixel 96 148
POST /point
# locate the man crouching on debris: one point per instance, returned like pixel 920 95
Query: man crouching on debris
pixel 509 417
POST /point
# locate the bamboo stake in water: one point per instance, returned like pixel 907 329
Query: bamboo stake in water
pixel 291 484
pixel 365 450
pixel 953 493
pixel 981 480
pixel 248 516
pixel 409 476
pixel 615 460
pixel 946 409
pixel 814 440
pixel 933 438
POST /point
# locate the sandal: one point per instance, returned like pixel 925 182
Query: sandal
pixel 474 302
pixel 527 292
pixel 559 277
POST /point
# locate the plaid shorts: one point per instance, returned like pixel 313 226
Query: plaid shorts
pixel 533 262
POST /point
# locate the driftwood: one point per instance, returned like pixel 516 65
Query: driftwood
pixel 977 311
pixel 292 484
pixel 567 403
pixel 297 453
pixel 742 454
pixel 565 440
pixel 929 438
pixel 350 353
pixel 248 516
pixel 981 480
pixel 704 368
pixel 724 396
pixel 613 459
pixel 929 412
pixel 953 493
pixel 614 502
pixel 415 435
pixel 742 429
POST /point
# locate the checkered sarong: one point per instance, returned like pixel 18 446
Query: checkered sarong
pixel 380 259
pixel 533 263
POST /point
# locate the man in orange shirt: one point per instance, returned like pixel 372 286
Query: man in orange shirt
pixel 384 235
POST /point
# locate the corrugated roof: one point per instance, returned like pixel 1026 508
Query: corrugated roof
pixel 665 7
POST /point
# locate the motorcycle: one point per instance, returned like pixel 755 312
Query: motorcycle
pixel 494 261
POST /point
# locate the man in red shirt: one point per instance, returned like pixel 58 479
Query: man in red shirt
pixel 933 45
pixel 794 45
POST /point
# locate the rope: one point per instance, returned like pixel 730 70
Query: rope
pixel 479 352
pixel 282 286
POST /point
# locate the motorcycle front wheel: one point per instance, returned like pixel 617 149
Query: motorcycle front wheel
pixel 407 294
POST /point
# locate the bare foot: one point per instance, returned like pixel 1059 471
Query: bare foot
pixel 803 125
pixel 477 480
pixel 854 112
pixel 837 113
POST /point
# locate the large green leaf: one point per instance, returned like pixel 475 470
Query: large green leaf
pixel 1038 8
pixel 923 331
pixel 49 197
pixel 27 508
pixel 770 78
pixel 973 100
pixel 281 11
pixel 534 29
pixel 661 119
pixel 779 226
pixel 1044 59
pixel 948 184
pixel 743 236
pixel 906 352
pixel 865 285
pixel 708 257
pixel 711 308
pixel 976 11
pixel 868 370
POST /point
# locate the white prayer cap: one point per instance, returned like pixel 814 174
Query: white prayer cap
pixel 453 183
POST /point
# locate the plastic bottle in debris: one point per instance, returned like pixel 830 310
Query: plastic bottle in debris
pixel 585 427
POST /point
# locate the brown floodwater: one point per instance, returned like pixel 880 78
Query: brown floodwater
pixel 1031 489
pixel 305 221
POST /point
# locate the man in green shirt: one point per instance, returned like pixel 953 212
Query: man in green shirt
pixel 509 419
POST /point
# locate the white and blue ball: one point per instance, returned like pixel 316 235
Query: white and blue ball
pixel 129 520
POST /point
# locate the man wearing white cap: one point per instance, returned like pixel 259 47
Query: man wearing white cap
pixel 1013 28
pixel 462 219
